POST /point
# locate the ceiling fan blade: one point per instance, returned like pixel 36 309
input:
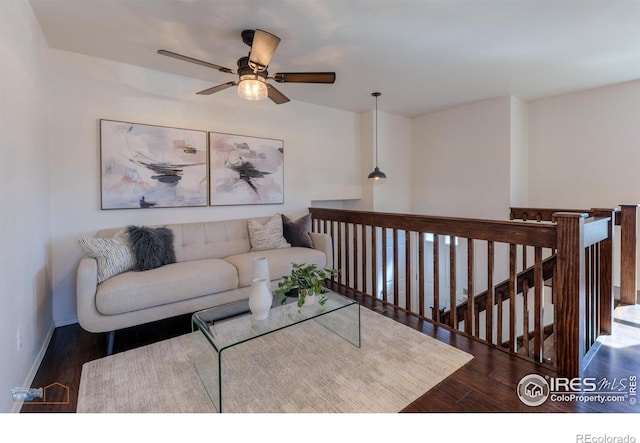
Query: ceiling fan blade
pixel 305 77
pixel 262 49
pixel 277 96
pixel 218 88
pixel 194 60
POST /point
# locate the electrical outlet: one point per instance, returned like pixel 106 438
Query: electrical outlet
pixel 19 339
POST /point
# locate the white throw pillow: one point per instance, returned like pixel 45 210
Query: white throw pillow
pixel 114 255
pixel 267 236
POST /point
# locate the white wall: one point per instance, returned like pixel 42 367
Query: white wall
pixel 24 199
pixel 461 161
pixel 320 160
pixel 584 148
pixel 519 168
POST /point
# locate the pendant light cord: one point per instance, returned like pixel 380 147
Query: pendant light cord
pixel 376 95
pixel 376 131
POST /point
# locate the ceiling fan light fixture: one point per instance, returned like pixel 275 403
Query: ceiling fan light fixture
pixel 252 80
pixel 252 87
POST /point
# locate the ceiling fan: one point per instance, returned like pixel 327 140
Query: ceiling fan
pixel 252 70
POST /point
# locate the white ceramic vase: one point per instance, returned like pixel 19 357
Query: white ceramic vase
pixel 261 268
pixel 260 298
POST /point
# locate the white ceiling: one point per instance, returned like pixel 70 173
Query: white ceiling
pixel 422 55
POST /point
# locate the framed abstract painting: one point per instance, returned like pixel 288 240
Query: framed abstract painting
pixel 245 170
pixel 145 166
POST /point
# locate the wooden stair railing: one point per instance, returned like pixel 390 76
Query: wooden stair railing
pixel 375 251
pixel 480 300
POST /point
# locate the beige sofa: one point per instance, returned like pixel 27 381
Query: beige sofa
pixel 214 266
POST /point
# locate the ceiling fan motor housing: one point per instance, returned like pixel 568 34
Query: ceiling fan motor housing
pixel 245 69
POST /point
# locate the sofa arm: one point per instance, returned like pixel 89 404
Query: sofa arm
pixel 322 242
pixel 86 287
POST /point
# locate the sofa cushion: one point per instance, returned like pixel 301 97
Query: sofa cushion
pixel 280 261
pixel 214 239
pixel 113 255
pixel 132 291
pixel 268 235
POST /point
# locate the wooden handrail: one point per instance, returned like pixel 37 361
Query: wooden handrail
pixel 489 230
pixel 546 214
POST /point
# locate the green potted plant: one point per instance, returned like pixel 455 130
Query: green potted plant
pixel 307 280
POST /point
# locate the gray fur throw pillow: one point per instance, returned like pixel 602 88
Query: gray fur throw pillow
pixel 152 247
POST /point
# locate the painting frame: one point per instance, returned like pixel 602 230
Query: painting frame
pixel 146 166
pixel 245 170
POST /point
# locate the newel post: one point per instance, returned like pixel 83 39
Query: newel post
pixel 605 273
pixel 628 234
pixel 570 293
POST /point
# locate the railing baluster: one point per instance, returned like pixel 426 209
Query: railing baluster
pixel 453 312
pixel 347 255
pixel 363 242
pixel 374 262
pixel 407 267
pixel 356 280
pixel 538 282
pixel 396 269
pixel 595 320
pixel 468 324
pixel 591 295
pixel 436 278
pixel 340 250
pixel 476 319
pixel 512 298
pixel 335 251
pixel 500 320
pixel 421 272
pixel 384 264
pixel 490 294
pixel 525 317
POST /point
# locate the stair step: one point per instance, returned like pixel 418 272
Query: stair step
pixel 548 349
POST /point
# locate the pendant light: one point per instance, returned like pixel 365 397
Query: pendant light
pixel 377 177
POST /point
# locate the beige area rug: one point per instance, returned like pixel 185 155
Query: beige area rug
pixel 304 368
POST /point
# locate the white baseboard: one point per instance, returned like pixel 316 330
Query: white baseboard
pixel 36 364
pixel 65 322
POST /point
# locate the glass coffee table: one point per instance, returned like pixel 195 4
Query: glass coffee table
pixel 230 325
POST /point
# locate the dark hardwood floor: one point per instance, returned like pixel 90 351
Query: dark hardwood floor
pixel 486 384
